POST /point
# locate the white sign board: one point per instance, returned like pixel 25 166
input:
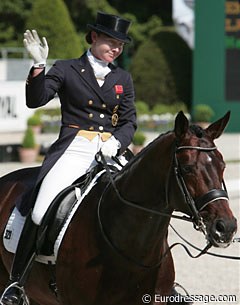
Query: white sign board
pixel 13 110
pixel 184 19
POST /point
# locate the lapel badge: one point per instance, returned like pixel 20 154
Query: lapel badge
pixel 115 116
pixel 118 90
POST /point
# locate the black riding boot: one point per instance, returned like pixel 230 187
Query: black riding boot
pixel 22 263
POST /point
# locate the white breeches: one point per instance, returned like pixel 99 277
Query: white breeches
pixel 76 160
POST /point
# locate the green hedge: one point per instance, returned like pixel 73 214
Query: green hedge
pixel 161 70
pixel 52 19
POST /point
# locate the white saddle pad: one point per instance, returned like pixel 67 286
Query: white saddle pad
pixel 16 222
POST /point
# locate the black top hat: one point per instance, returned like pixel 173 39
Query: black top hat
pixel 111 25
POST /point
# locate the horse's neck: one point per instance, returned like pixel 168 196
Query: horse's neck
pixel 142 182
pixel 146 179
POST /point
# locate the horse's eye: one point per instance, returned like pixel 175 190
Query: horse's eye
pixel 187 169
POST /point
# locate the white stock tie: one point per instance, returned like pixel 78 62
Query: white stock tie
pixel 100 68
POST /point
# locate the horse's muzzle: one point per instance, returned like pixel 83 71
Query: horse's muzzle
pixel 221 232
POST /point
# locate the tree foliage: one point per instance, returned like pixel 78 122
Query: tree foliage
pixel 160 61
pixel 152 76
pixel 142 9
pixel 13 15
pixel 84 11
pixel 29 139
pixel 161 70
pixel 52 20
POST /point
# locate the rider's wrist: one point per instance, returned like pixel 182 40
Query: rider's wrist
pixel 40 65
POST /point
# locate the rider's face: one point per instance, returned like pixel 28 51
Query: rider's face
pixel 105 47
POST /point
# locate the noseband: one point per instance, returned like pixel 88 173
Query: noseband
pixel 195 205
pixel 198 204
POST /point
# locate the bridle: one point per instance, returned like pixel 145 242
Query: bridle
pixel 195 205
pixel 198 204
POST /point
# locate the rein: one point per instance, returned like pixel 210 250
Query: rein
pixel 100 158
pixel 237 239
pixel 120 252
pixel 195 206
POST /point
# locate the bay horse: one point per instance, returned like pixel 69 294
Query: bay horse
pixel 115 250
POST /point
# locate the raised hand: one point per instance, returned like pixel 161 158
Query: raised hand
pixel 37 49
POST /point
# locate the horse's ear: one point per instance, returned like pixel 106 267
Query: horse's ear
pixel 215 130
pixel 181 125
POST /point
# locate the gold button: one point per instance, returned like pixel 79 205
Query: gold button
pixel 101 115
pixel 104 105
pixel 90 102
pixel 91 128
pixel 90 115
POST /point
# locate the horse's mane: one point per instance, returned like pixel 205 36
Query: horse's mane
pixel 146 150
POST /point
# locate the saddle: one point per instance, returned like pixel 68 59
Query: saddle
pixel 55 220
pixel 59 210
pixel 59 213
pixel 64 202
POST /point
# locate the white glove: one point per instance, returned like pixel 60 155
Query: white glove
pixel 37 49
pixel 110 147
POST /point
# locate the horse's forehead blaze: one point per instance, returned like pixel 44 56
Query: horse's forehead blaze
pixel 206 167
pixel 209 165
pixel 213 158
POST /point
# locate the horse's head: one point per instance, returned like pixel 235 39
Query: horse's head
pixel 199 168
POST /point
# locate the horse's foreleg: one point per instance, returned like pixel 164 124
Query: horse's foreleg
pixel 165 280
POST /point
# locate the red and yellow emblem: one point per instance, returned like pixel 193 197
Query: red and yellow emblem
pixel 118 89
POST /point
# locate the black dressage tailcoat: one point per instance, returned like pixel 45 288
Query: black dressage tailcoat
pixel 84 103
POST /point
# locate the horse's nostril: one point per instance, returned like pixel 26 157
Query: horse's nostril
pixel 220 226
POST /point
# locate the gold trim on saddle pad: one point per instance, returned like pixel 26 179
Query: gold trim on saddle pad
pixel 92 134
